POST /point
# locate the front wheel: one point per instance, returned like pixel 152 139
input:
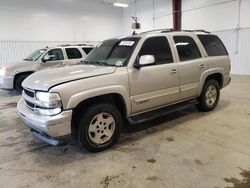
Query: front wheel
pixel 18 82
pixel 100 127
pixel 210 95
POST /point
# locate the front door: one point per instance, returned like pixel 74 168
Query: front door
pixel 54 58
pixel 156 85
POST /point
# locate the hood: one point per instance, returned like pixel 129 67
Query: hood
pixel 16 65
pixel 45 79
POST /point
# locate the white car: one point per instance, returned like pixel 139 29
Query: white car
pixel 12 75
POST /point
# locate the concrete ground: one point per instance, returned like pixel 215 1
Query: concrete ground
pixel 184 149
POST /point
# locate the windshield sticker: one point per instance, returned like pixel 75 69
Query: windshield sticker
pixel 126 43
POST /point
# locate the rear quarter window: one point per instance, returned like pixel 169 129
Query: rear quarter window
pixel 213 45
pixel 87 50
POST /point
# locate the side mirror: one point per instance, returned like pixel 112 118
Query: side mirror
pixel 145 60
pixel 48 58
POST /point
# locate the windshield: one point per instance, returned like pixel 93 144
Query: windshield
pixel 35 55
pixel 114 52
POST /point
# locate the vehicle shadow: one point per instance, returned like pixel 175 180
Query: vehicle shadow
pixel 9 93
pixel 131 133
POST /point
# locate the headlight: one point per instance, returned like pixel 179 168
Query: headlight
pixel 48 100
pixel 3 71
pixel 50 103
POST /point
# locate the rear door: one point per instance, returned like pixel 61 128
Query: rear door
pixel 155 85
pixel 191 64
pixel 74 56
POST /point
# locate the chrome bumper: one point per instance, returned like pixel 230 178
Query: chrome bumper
pixel 6 82
pixel 50 126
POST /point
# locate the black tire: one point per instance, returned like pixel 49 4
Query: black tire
pixel 85 138
pixel 18 82
pixel 204 105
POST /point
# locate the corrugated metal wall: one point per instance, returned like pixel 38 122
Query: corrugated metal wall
pixel 11 51
pixel 239 49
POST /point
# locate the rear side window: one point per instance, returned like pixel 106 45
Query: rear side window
pixel 187 48
pixel 73 53
pixel 87 50
pixel 159 47
pixel 213 45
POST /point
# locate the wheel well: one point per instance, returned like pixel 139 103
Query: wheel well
pixel 113 98
pixel 21 73
pixel 218 77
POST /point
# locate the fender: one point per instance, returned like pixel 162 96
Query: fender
pixel 208 73
pixel 95 92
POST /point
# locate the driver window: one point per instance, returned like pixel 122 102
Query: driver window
pixel 159 47
pixel 55 55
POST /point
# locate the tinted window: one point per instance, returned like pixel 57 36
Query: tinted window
pixel 73 53
pixel 213 45
pixel 159 47
pixel 87 50
pixel 55 54
pixel 187 48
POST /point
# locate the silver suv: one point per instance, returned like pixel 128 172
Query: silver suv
pixel 125 80
pixel 12 76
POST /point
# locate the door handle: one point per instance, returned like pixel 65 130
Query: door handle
pixel 202 66
pixel 173 71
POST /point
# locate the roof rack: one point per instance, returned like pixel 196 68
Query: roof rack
pixel 66 45
pixel 160 30
pixel 168 30
pixel 185 30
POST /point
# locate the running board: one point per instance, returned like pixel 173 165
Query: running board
pixel 141 118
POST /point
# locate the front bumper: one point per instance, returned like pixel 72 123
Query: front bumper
pixel 47 128
pixel 6 82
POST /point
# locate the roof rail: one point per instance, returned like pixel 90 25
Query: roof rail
pixel 185 30
pixel 168 30
pixel 197 30
pixel 161 30
pixel 66 45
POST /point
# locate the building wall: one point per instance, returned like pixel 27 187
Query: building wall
pixel 29 24
pixel 227 18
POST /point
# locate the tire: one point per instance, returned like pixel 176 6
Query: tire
pixel 99 128
pixel 209 97
pixel 18 82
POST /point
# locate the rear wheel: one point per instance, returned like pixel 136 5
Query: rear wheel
pixel 210 95
pixel 100 127
pixel 18 82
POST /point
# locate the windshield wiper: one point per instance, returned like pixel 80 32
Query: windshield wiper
pixel 95 62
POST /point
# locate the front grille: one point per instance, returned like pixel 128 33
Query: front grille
pixel 30 105
pixel 29 93
pixel 29 98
